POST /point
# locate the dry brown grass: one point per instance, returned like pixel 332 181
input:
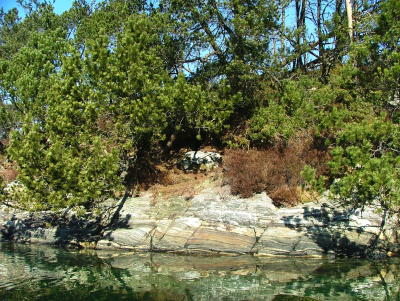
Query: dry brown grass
pixel 8 172
pixel 177 183
pixel 276 170
pixel 242 171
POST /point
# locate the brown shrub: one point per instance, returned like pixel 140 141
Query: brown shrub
pixel 285 195
pixel 105 123
pixel 275 170
pixel 9 173
pixel 242 171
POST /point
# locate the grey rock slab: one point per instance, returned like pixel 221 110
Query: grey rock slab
pixel 140 237
pixel 44 236
pixel 214 221
pixel 176 235
pixel 223 238
pixel 257 211
pixel 286 241
pixel 135 209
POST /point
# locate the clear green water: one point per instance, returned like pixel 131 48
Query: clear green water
pixel 45 273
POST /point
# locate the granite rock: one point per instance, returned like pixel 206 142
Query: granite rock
pixel 217 223
pixel 199 160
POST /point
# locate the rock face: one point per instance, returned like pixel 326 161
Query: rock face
pixel 217 222
pixel 199 160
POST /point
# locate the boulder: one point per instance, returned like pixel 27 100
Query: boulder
pixel 199 160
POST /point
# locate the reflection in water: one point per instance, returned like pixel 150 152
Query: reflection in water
pixel 44 273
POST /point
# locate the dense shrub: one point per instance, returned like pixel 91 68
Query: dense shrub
pixel 92 119
pixel 245 171
pixel 276 171
pixel 307 105
pixel 366 163
pixel 270 125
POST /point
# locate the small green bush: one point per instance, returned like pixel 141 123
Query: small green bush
pixel 366 164
pixel 270 124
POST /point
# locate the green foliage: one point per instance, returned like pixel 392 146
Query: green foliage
pixel 15 33
pixel 271 124
pixel 86 19
pixel 9 118
pixel 88 95
pixel 131 82
pixel 139 95
pixel 88 118
pixel 196 108
pixel 311 180
pixel 57 172
pixel 225 40
pixel 62 159
pixel 305 104
pixel 365 164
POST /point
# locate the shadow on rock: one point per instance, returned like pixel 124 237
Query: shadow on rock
pixel 60 229
pixel 334 232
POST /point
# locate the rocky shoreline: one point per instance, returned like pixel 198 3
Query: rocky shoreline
pixel 212 222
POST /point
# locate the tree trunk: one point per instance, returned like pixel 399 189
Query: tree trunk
pixel 321 48
pixel 283 26
pixel 300 36
pixel 349 11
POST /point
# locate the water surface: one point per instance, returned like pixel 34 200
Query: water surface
pixel 29 272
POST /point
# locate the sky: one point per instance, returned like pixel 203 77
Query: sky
pixel 59 5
